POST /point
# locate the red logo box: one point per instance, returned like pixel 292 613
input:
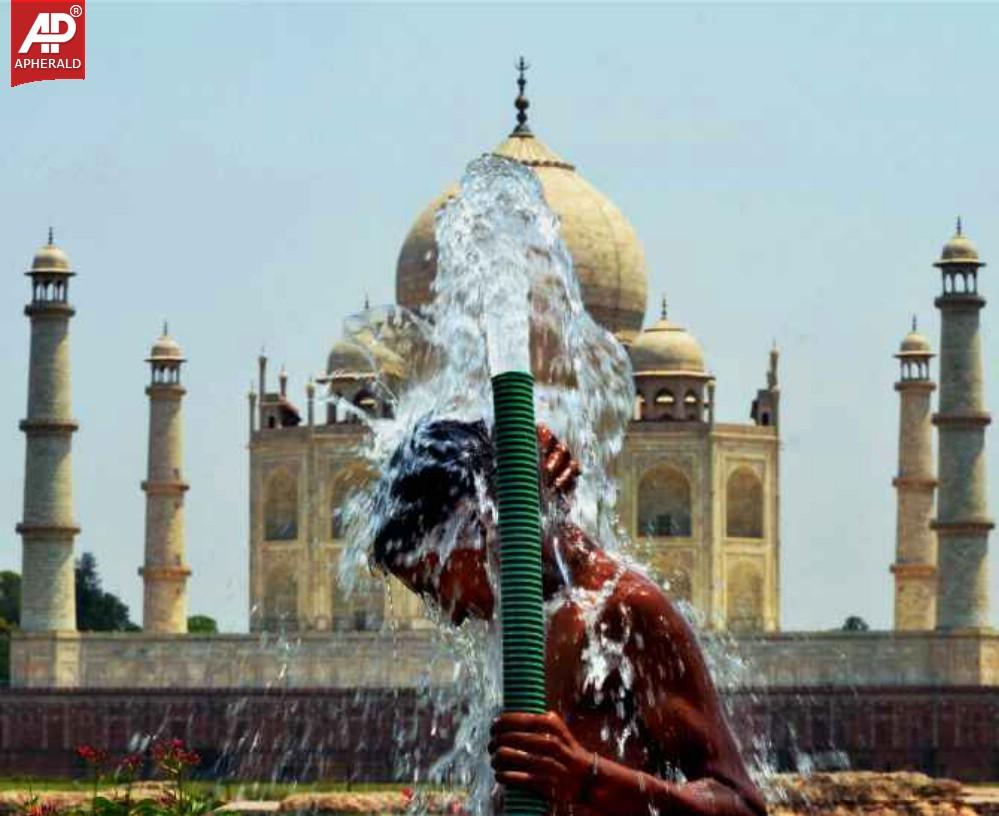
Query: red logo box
pixel 47 40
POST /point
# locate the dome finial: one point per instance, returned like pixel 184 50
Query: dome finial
pixel 166 328
pixel 51 241
pixel 959 232
pixel 915 323
pixel 662 314
pixel 521 103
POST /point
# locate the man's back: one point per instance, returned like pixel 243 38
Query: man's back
pixel 626 675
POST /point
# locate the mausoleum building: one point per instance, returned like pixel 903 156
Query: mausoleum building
pixel 699 498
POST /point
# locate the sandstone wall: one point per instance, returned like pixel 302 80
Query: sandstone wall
pixel 383 734
pixel 400 660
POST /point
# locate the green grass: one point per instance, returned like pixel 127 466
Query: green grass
pixel 279 790
pixel 25 783
pixel 227 791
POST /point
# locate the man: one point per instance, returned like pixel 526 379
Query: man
pixel 635 725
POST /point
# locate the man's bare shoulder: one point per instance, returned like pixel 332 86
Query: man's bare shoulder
pixel 650 612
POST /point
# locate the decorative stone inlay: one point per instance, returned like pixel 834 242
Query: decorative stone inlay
pixel 178 573
pixel 40 530
pixel 40 425
pixel 165 488
pixel 914 570
pixel 959 301
pixel 976 420
pixel 962 527
pixel 49 310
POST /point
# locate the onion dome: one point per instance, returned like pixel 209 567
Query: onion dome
pixel 666 348
pixel 606 253
pixel 166 349
pixel 50 260
pixel 361 356
pixel 959 250
pixel 347 358
pixel 915 344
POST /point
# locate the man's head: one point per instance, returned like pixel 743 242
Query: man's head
pixel 433 534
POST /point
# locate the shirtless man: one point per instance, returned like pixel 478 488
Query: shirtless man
pixel 652 738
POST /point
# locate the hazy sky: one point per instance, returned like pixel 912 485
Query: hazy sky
pixel 249 171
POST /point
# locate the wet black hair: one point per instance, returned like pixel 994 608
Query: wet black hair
pixel 438 465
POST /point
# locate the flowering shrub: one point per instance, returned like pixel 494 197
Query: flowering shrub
pixel 96 757
pixel 130 764
pixel 33 807
pixel 174 759
pixel 171 758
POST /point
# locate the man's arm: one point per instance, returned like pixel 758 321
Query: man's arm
pixel 680 711
pixel 537 751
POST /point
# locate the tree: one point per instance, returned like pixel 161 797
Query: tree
pixel 10 597
pixel 97 610
pixel 5 630
pixel 202 625
pixel 855 623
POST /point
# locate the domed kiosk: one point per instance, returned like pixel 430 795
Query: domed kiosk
pixel 605 250
pixel 670 373
pixel 959 249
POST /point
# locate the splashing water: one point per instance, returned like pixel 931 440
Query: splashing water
pixel 498 240
pixel 495 236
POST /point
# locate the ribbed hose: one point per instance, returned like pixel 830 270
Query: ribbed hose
pixel 521 610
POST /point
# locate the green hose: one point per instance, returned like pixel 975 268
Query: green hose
pixel 521 603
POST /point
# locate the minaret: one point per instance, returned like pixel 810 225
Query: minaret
pixel 261 387
pixel 48 599
pixel 164 574
pixel 766 407
pixel 962 522
pixel 915 568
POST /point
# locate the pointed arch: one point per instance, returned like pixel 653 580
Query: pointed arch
pixel 664 503
pixel 691 405
pixel 281 506
pixel 280 599
pixel 665 398
pixel 744 598
pixel 744 504
pixel 367 402
pixel 342 484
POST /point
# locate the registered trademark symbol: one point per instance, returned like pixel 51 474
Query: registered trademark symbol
pixel 76 11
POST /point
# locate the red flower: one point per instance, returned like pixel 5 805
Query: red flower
pixel 40 809
pixel 91 755
pixel 132 762
pixel 173 755
pixel 407 795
